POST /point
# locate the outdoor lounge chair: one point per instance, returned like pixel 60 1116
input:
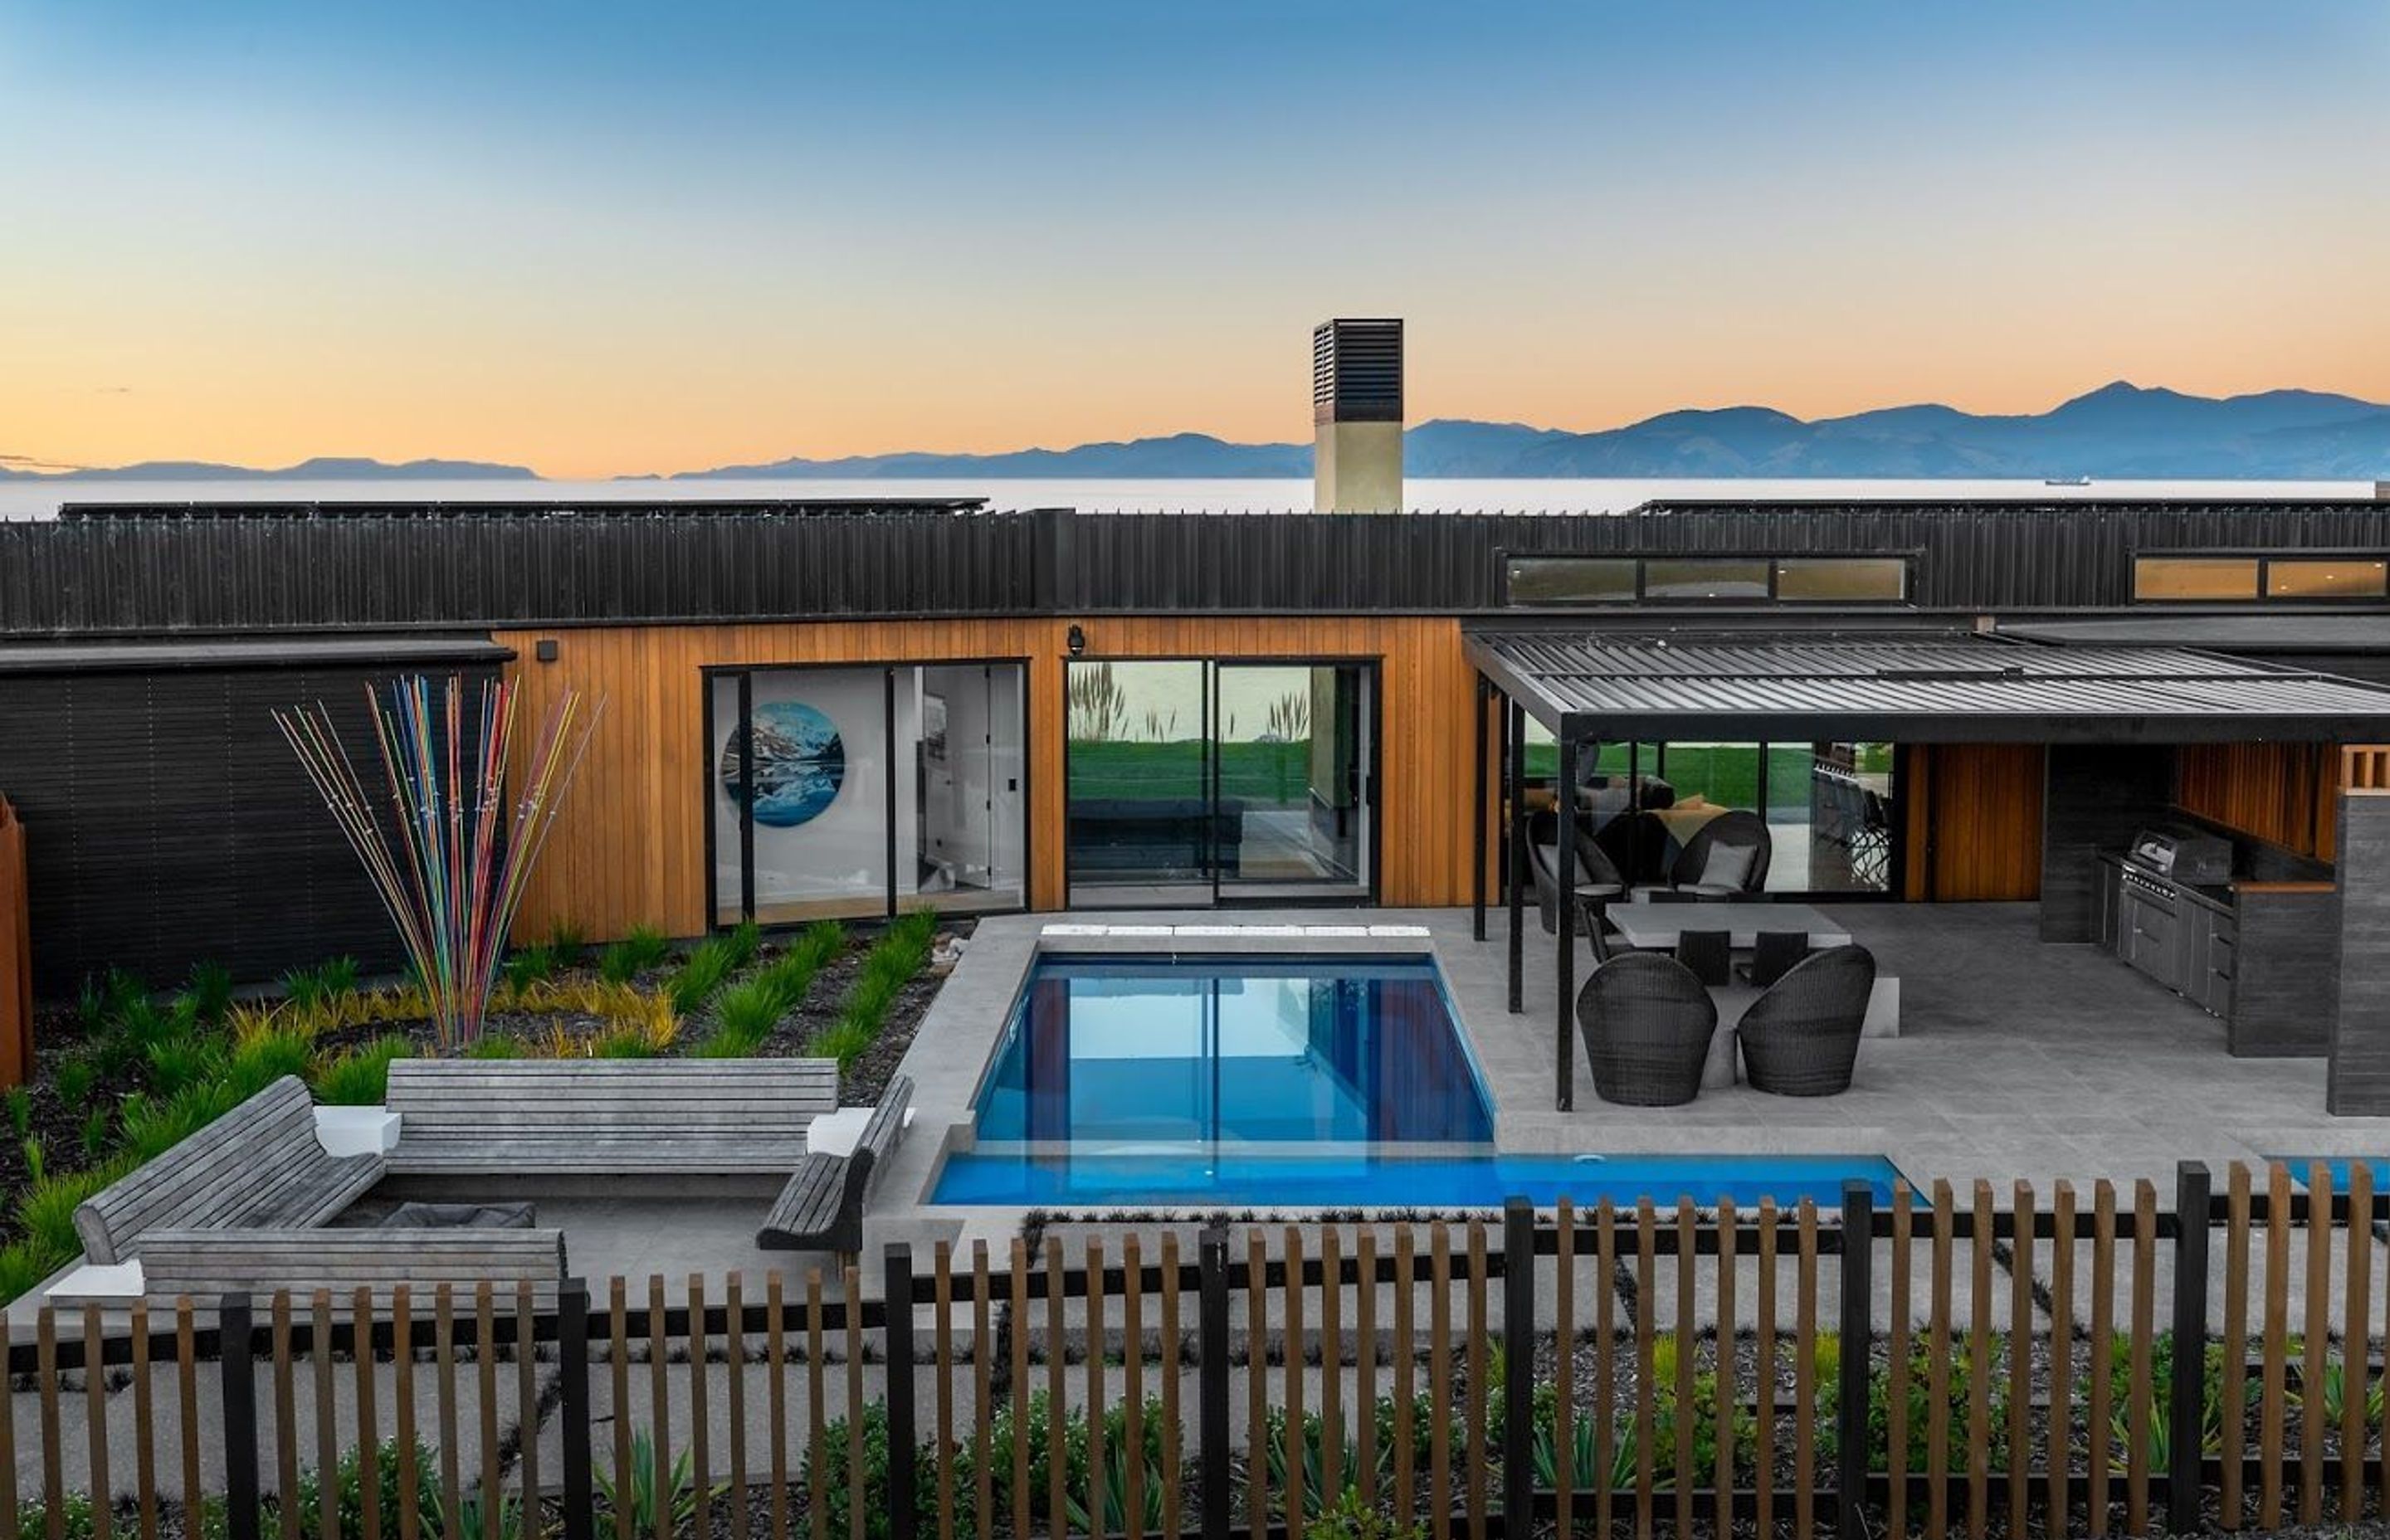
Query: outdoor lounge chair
pixel 1725 857
pixel 1647 1024
pixel 1802 1037
pixel 821 1209
pixel 1597 880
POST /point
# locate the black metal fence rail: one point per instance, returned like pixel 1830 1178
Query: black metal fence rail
pixel 1857 1388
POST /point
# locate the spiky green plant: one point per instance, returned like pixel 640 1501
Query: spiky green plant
pixel 641 948
pixel 360 1076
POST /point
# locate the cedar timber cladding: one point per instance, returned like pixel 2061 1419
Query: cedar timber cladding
pixel 631 846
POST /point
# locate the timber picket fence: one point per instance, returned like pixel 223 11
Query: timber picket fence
pixel 1979 1366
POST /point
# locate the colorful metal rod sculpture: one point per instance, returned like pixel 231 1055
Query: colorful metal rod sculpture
pixel 449 862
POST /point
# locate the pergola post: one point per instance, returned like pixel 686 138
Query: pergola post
pixel 1477 814
pixel 1564 878
pixel 1515 769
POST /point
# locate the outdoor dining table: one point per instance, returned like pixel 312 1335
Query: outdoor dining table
pixel 1655 927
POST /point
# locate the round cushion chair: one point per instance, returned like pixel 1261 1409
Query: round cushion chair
pixel 1598 882
pixel 1725 857
pixel 1800 1038
pixel 1647 1024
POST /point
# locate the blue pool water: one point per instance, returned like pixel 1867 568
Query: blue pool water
pixel 1293 1080
pixel 1198 1179
pixel 1231 1051
pixel 2339 1165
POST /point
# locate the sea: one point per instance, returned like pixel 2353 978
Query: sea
pixel 39 499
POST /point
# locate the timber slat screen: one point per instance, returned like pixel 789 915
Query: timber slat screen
pixel 1638 1369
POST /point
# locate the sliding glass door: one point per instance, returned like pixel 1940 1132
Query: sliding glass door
pixel 1192 783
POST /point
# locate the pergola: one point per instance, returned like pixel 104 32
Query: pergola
pixel 1589 685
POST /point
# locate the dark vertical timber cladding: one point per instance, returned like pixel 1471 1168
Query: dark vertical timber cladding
pixel 2097 796
pixel 2357 1082
pixel 168 822
pixel 394 566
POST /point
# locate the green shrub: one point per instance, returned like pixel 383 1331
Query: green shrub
pixel 652 1487
pixel 96 1128
pixel 209 990
pixel 23 1265
pixel 643 948
pixel 569 943
pixel 182 1062
pixel 846 1042
pixel 532 965
pixel 46 1212
pixel 745 940
pixel 1352 1519
pixel 360 1077
pixel 75 1521
pixel 497 1045
pixel 21 1111
pixel 37 1159
pixel 709 963
pixel 263 1058
pixel 628 1040
pixel 744 1015
pixel 76 1079
pixel 339 976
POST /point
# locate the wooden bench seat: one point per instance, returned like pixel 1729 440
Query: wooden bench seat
pixel 821 1209
pixel 209 1263
pixel 594 1117
pixel 259 1167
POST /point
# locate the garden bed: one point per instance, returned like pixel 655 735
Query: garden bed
pixel 125 1074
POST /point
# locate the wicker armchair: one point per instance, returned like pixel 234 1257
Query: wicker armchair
pixel 1737 827
pixel 1598 882
pixel 1802 1037
pixel 1647 1024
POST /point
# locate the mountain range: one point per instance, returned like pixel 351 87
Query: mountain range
pixel 2119 431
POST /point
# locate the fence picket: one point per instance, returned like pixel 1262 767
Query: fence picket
pixel 983 1395
pixel 1057 1502
pixel 817 1404
pixel 1477 1402
pixel 2236 1344
pixel 1565 1472
pixel 776 1395
pixel 328 1431
pixel 1763 1326
pixel 1605 1361
pixel 2356 1342
pixel 1405 1373
pixel 1979 1366
pixel 942 1257
pixel 286 1418
pixel 527 1399
pixel 1332 1366
pixel 1681 1459
pixel 145 1432
pixel 1439 1380
pixel 1016 1388
pixel 2144 1409
pixel 187 1392
pixel 1256 1386
pixel 2100 1479
pixel 1291 1443
pixel 1095 1350
pixel 485 1356
pixel 1365 1361
pixel 53 1480
pixel 2057 1449
pixel 402 1384
pixel 1173 1361
pixel 94 1413
pixel 2315 1330
pixel 1646 1368
pixel 1904 1205
pixel 1804 1378
pixel 2276 1328
pixel 2020 1461
pixel 858 1492
pixel 618 1308
pixel 1938 1374
pixel 734 1304
pixel 1723 1363
pixel 700 1453
pixel 361 1324
pixel 1133 1384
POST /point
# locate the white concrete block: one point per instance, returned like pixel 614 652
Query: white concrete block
pixel 356 1130
pixel 99 1283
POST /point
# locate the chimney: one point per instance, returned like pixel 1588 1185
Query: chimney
pixel 1357 413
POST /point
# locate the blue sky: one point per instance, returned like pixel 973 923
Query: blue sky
pixel 602 237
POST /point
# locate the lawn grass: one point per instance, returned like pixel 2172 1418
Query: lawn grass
pixel 1269 773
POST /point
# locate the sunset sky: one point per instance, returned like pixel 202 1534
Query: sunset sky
pixel 600 238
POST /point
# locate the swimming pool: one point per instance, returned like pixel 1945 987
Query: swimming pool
pixel 1286 1080
pixel 1231 1051
pixel 1209 1179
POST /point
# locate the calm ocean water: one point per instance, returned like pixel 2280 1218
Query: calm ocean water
pixel 20 499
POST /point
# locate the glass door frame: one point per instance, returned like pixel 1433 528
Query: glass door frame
pixel 744 675
pixel 1242 894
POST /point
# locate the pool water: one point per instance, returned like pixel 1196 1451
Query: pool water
pixel 1229 1051
pixel 1295 1081
pixel 1202 1179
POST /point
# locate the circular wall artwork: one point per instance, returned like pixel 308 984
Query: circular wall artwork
pixel 800 763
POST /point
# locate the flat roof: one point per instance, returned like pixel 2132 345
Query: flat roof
pixel 1951 686
pixel 506 507
pixel 2275 631
pixel 296 651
